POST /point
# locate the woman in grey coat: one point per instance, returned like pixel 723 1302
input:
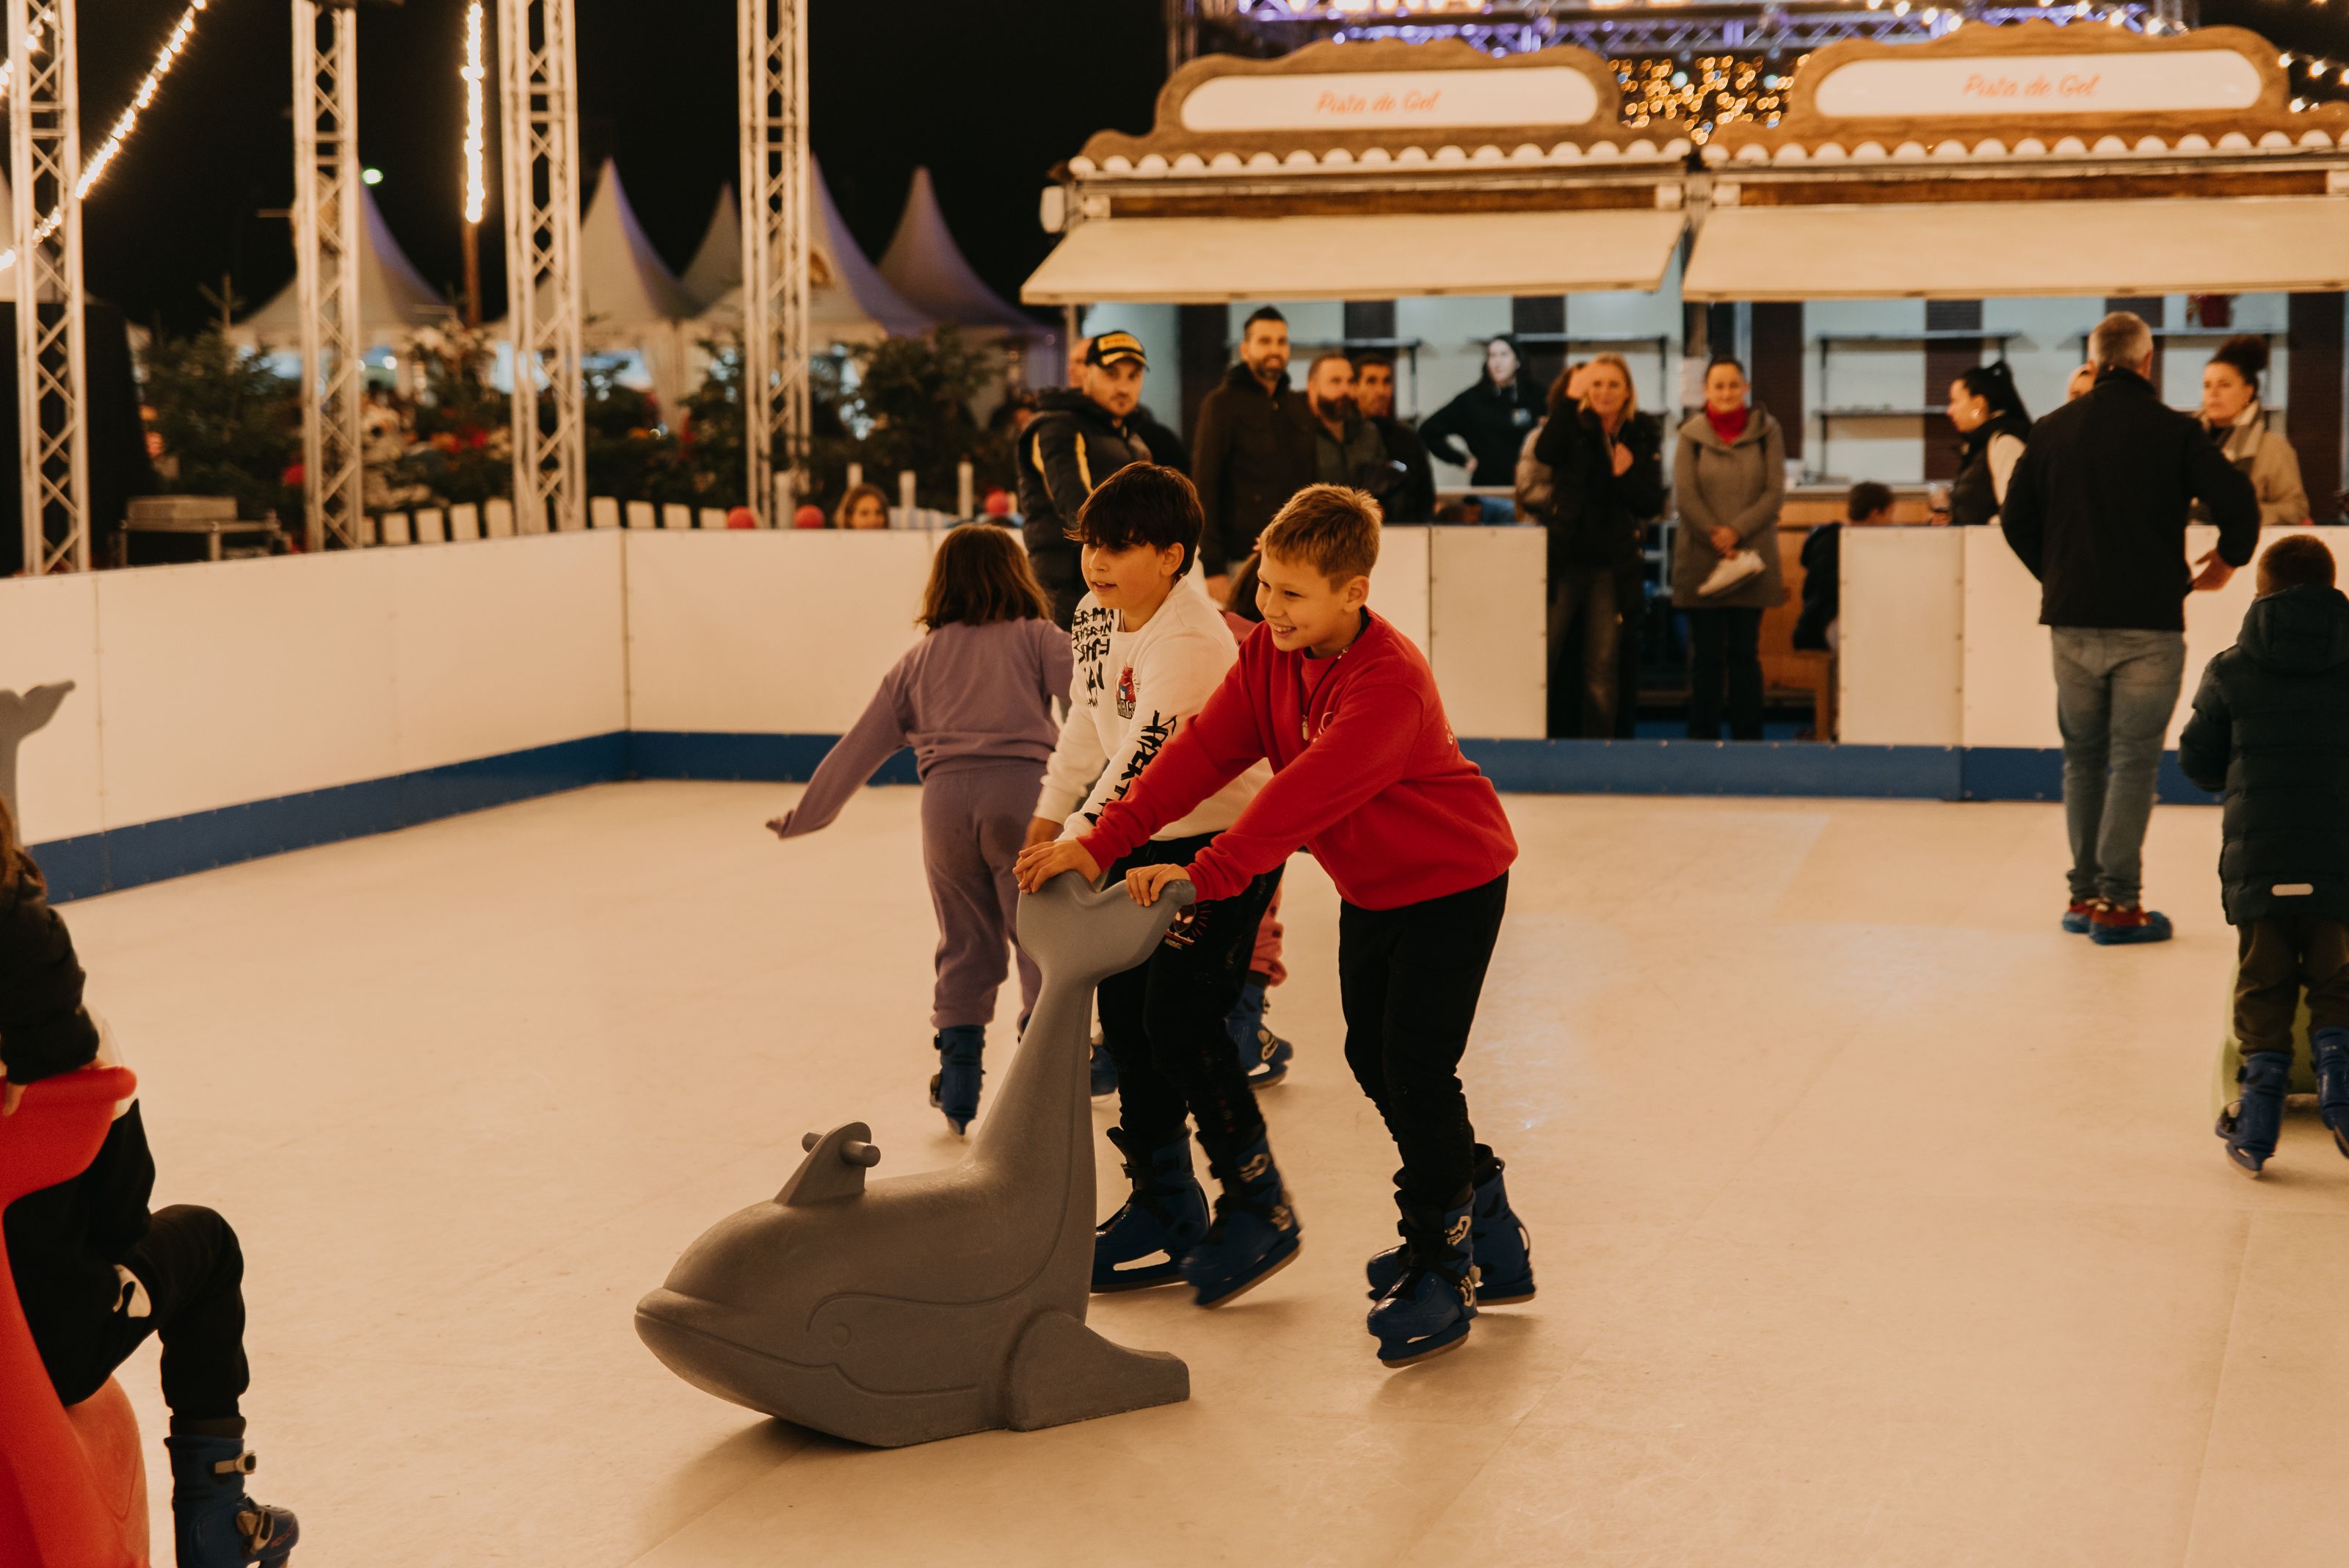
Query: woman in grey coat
pixel 1729 479
pixel 2231 412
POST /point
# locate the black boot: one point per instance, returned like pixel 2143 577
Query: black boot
pixel 2250 1125
pixel 215 1524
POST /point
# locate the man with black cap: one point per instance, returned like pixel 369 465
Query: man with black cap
pixel 1083 434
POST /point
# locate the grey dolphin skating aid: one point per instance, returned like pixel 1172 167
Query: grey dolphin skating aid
pixel 949 1301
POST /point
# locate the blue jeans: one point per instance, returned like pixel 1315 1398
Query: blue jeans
pixel 2114 691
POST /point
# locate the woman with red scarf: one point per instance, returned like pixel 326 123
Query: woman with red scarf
pixel 1728 482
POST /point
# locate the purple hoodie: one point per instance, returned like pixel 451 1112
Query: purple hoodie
pixel 965 696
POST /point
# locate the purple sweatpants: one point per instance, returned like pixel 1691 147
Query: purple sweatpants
pixel 973 819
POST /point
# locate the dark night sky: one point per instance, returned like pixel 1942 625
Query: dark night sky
pixel 988 94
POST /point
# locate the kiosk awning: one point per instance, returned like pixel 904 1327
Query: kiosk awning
pixel 1972 250
pixel 1373 255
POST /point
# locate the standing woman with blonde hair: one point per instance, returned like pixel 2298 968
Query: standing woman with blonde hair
pixel 1606 459
pixel 2232 413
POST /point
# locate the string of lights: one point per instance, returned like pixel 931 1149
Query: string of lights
pixel 165 59
pixel 476 185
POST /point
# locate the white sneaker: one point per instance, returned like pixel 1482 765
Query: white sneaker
pixel 1742 566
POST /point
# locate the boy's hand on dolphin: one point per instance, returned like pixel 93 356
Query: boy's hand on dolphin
pixel 1039 864
pixel 1144 883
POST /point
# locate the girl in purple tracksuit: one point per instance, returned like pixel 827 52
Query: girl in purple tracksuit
pixel 974 699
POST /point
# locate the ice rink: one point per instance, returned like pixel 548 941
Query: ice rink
pixel 1877 1221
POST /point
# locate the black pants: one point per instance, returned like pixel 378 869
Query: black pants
pixel 2279 955
pixel 194 1274
pixel 1726 641
pixel 1162 1022
pixel 1409 980
pixel 1585 615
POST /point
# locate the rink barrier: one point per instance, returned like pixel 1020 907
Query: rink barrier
pixel 146 852
pixel 176 846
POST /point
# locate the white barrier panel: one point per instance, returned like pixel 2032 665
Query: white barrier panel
pixel 506 644
pixel 767 631
pixel 48 634
pixel 1399 588
pixel 2010 680
pixel 1900 664
pixel 1487 622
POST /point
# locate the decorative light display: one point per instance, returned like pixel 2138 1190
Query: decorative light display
pixel 476 185
pixel 1709 91
pixel 168 57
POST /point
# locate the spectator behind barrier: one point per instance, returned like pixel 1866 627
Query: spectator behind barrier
pixel 1347 448
pixel 96 1273
pixel 1729 479
pixel 1606 459
pixel 1491 417
pixel 2271 729
pixel 864 506
pixel 1253 448
pixel 1870 505
pixel 1412 500
pixel 2096 510
pixel 1993 426
pixel 1083 436
pixel 2233 415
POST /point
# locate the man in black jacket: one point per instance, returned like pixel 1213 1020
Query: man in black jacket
pixel 1413 498
pixel 2096 508
pixel 2271 729
pixel 1082 437
pixel 1253 448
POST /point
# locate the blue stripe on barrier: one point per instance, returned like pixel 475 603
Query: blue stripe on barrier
pixel 1717 767
pixel 174 847
pixel 768 759
pixel 151 851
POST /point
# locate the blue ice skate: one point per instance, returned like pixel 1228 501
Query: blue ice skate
pixel 213 1523
pixel 2250 1125
pixel 1255 1234
pixel 1163 1220
pixel 1103 1070
pixel 1502 1248
pixel 1264 1055
pixel 1430 1308
pixel 953 1088
pixel 2331 1048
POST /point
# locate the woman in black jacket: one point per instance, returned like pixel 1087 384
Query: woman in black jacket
pixel 1606 459
pixel 1492 417
pixel 1993 429
pixel 95 1273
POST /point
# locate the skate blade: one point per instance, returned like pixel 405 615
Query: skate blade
pixel 1225 1301
pixel 1484 1300
pixel 1414 1357
pixel 1122 1285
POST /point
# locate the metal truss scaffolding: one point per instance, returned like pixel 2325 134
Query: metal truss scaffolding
pixel 775 202
pixel 45 166
pixel 326 268
pixel 539 75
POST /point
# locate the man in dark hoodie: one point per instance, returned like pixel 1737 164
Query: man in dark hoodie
pixel 1252 450
pixel 1082 436
pixel 2271 728
pixel 1412 499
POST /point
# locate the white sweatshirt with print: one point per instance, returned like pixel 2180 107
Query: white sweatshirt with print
pixel 1131 691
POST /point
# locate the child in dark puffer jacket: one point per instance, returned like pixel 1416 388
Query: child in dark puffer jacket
pixel 2271 729
pixel 95 1272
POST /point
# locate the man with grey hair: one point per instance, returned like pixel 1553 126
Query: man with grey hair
pixel 2096 508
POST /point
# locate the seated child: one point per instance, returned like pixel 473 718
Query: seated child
pixel 96 1273
pixel 1367 776
pixel 1868 505
pixel 1150 646
pixel 974 699
pixel 2271 729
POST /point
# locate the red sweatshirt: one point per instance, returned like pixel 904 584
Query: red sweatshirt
pixel 1373 782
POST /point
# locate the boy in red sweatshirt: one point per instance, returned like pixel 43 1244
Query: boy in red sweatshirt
pixel 1366 776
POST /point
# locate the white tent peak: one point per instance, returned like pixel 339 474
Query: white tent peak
pixel 393 295
pixel 622 279
pixel 717 268
pixel 848 300
pixel 928 267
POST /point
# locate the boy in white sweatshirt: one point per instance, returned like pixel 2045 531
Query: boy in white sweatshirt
pixel 1150 646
